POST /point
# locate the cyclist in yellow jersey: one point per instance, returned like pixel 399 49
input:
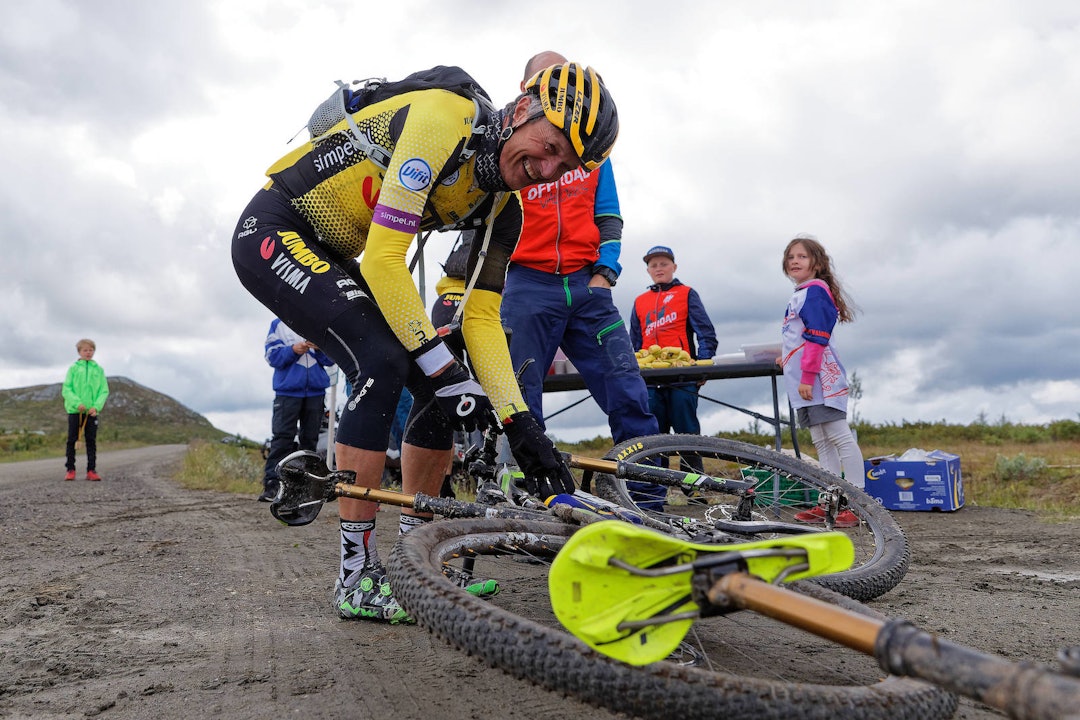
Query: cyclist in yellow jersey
pixel 362 188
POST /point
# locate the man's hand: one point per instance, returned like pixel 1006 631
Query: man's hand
pixel 546 473
pixel 461 398
pixel 599 281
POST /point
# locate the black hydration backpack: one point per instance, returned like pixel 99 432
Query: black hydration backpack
pixel 346 101
pixel 456 265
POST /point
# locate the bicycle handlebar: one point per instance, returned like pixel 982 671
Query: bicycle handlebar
pixel 1018 689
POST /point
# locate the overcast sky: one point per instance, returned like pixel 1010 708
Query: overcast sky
pixel 932 147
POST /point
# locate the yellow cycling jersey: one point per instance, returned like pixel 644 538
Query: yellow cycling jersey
pixel 344 194
pixel 357 207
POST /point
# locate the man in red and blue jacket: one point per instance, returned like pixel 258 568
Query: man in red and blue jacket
pixel 558 292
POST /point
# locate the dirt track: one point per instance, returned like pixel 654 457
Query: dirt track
pixel 135 598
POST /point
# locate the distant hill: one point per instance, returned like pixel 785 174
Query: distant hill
pixel 133 412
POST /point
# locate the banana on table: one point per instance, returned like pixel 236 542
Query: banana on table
pixel 663 357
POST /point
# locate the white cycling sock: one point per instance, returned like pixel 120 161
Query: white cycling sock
pixel 409 522
pixel 357 548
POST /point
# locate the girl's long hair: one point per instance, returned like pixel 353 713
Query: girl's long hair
pixel 845 307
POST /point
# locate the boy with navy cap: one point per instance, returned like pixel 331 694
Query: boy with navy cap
pixel 670 314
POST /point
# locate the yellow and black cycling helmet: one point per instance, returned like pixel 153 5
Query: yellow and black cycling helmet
pixel 576 101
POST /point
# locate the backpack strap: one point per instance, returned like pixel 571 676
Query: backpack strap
pixel 495 207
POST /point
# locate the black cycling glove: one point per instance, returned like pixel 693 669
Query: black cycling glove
pixel 546 473
pixel 461 399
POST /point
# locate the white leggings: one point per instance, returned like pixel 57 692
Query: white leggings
pixel 838 452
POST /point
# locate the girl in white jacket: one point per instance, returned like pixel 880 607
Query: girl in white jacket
pixel 815 378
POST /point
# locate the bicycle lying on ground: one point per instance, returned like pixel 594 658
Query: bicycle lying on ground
pixel 749 495
pixel 661 635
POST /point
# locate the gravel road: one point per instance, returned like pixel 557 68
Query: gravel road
pixel 136 598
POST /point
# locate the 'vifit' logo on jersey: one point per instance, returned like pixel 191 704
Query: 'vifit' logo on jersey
pixel 415 174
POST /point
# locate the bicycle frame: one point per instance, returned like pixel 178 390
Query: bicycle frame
pixel 306 484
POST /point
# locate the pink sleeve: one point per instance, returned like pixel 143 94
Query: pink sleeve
pixel 811 361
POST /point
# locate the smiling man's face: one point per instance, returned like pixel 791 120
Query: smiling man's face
pixel 536 152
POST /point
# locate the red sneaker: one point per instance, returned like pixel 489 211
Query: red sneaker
pixel 70 475
pixel 91 475
pixel 846 519
pixel 813 515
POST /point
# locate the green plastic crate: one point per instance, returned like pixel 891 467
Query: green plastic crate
pixel 791 492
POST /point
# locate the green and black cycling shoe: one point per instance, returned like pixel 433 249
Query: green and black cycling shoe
pixel 369 597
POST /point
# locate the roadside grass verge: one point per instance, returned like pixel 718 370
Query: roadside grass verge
pixel 225 468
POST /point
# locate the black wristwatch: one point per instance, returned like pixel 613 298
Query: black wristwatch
pixel 607 273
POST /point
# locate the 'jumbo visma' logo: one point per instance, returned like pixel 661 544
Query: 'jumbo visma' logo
pixel 370 192
pixel 294 264
pixel 415 174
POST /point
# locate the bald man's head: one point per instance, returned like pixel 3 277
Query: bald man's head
pixel 540 61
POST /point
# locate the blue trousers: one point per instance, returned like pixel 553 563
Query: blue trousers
pixel 675 408
pixel 546 311
pixel 295 419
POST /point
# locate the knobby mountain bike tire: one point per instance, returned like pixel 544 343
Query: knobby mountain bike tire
pixel 785 485
pixel 751 672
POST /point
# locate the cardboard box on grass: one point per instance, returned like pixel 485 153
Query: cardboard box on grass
pixel 932 483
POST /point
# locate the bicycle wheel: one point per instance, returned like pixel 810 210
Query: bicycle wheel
pixel 785 486
pixel 751 667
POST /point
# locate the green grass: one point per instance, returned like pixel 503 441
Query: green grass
pixel 19 447
pixel 225 468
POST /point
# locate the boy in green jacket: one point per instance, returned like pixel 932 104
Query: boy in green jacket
pixel 85 389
